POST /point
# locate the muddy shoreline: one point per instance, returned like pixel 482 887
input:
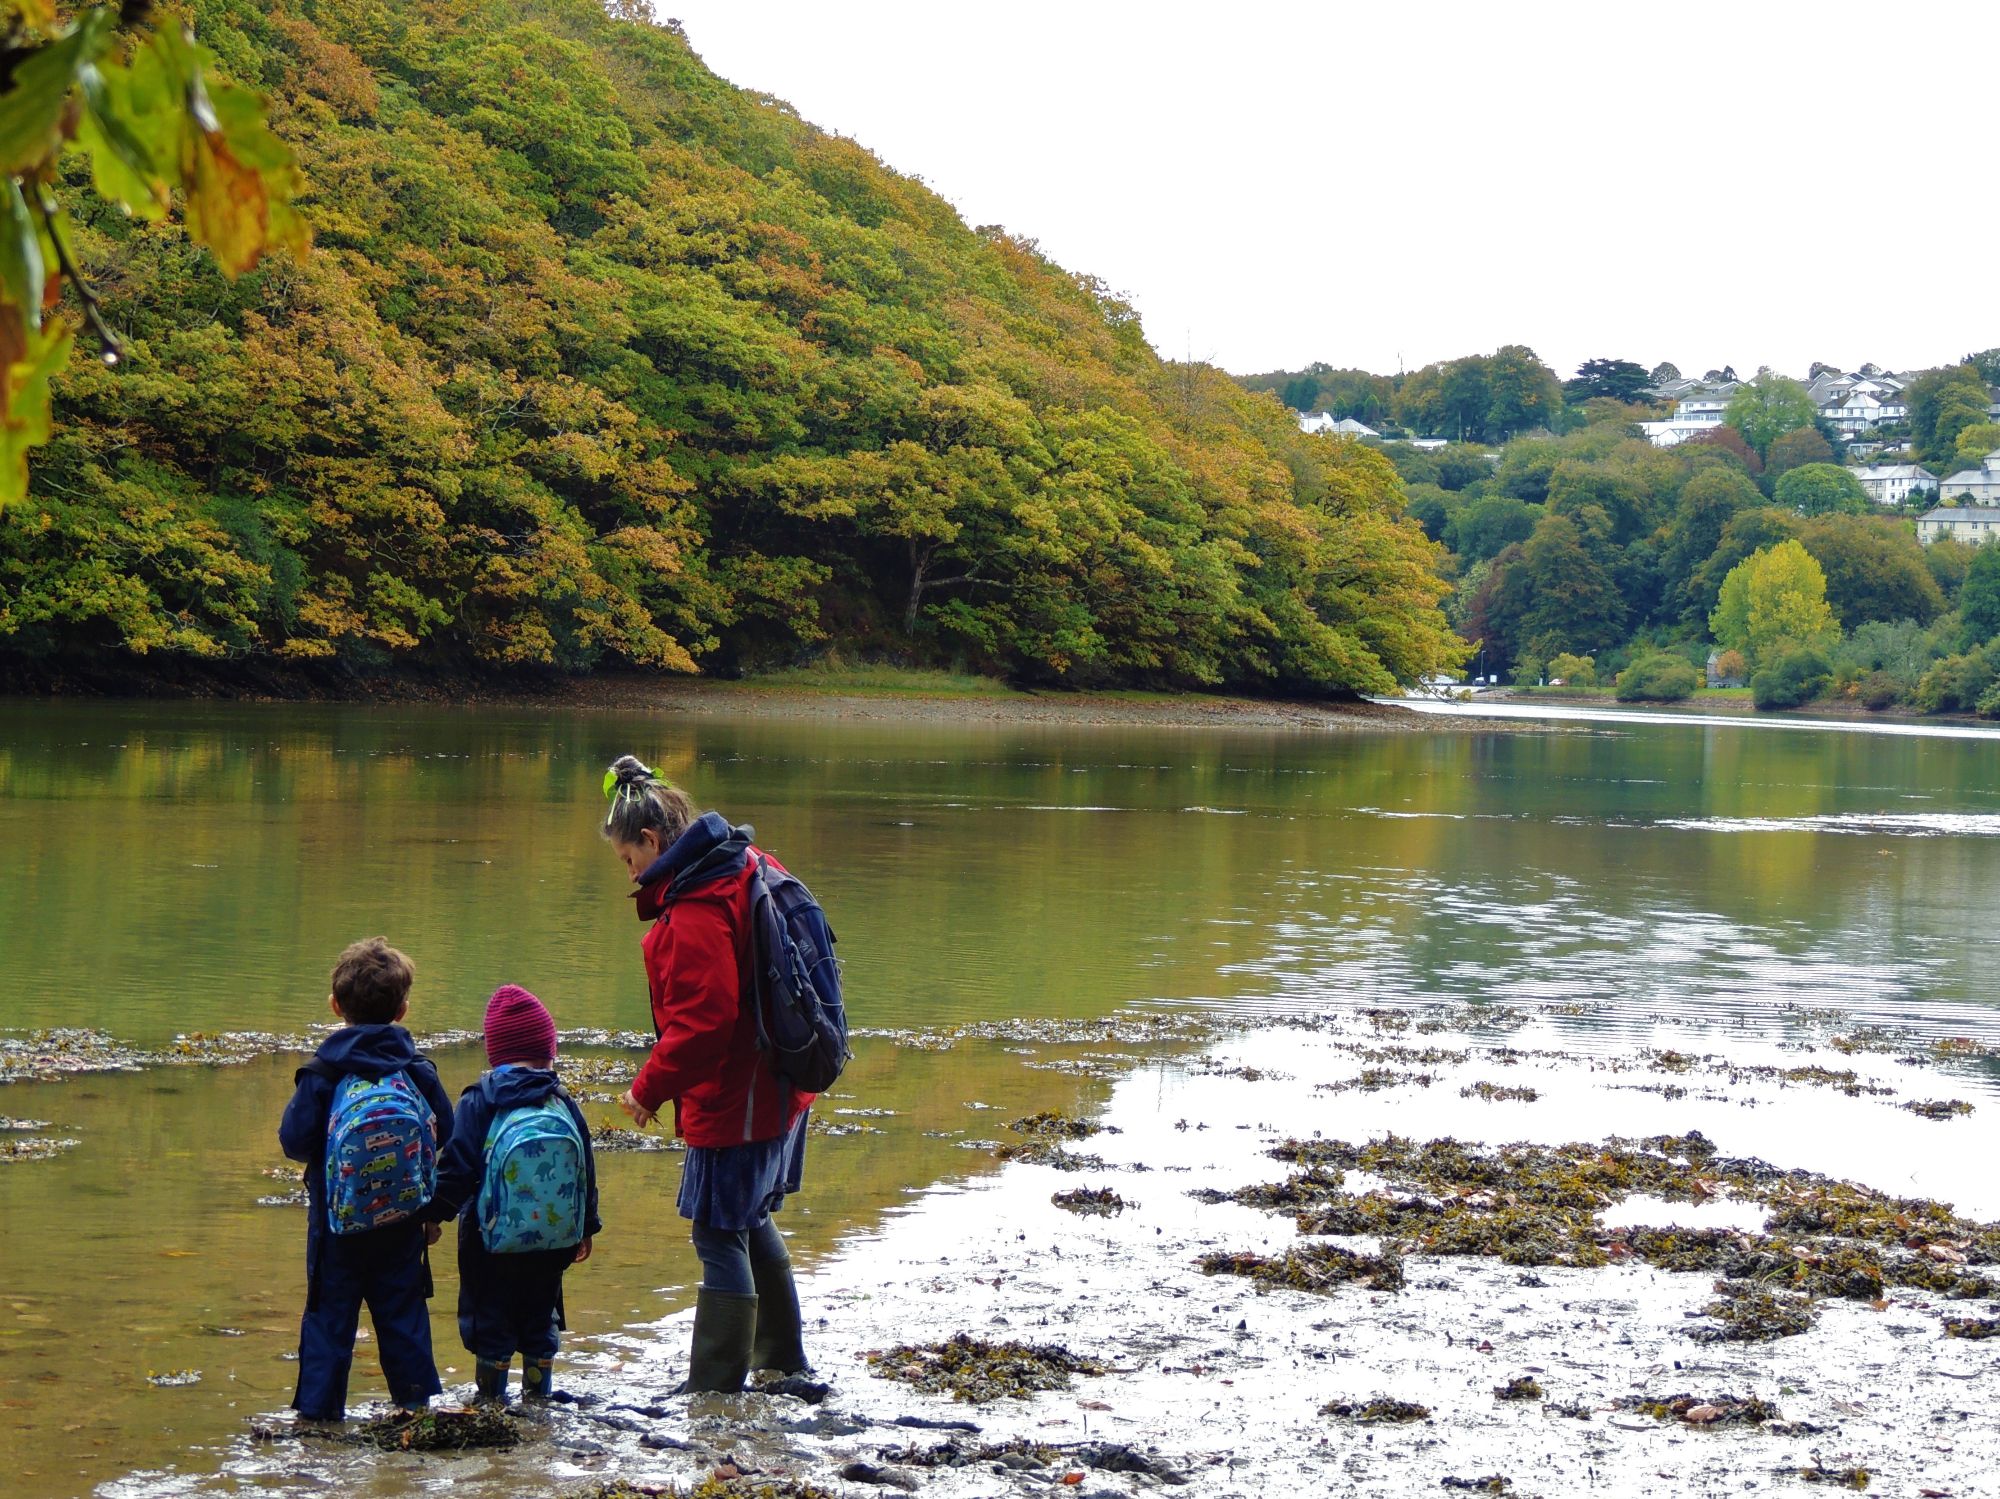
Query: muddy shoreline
pixel 696 697
pixel 1102 1315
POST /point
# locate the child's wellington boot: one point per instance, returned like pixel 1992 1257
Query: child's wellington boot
pixel 491 1377
pixel 538 1378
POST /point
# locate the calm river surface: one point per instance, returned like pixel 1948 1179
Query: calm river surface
pixel 175 868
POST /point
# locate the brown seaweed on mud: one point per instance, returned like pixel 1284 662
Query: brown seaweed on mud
pixel 1025 1454
pixel 444 1429
pixel 975 1370
pixel 35 1148
pixel 1701 1410
pixel 728 1483
pixel 1528 1204
pixel 1380 1410
pixel 1091 1201
pixel 1310 1267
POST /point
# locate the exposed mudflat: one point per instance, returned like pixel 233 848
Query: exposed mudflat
pixel 1557 1320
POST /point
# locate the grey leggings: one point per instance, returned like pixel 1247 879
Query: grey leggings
pixel 727 1254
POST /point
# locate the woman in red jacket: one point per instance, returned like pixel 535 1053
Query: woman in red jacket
pixel 744 1126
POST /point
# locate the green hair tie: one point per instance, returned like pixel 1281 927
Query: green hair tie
pixel 611 783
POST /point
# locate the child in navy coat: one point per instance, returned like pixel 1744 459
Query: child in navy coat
pixel 520 1160
pixel 382 1265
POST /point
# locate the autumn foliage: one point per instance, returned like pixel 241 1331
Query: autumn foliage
pixel 598 359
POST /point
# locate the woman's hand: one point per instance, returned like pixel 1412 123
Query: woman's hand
pixel 641 1115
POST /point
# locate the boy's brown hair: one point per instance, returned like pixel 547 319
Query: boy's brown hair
pixel 371 980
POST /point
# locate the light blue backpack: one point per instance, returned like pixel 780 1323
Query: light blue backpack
pixel 531 1196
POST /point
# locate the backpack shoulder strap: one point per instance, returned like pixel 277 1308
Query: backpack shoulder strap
pixel 319 1069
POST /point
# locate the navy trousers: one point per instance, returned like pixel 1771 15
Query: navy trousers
pixel 386 1269
pixel 508 1303
pixel 728 1255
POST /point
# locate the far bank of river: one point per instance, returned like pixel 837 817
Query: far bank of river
pixel 1504 708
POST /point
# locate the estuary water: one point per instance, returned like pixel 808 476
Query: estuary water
pixel 167 870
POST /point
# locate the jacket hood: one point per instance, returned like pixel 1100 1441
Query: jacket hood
pixel 687 859
pixel 512 1086
pixel 371 1050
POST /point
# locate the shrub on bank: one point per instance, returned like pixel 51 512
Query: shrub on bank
pixel 1658 678
pixel 1792 677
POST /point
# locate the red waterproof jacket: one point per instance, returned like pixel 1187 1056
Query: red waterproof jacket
pixel 706 1059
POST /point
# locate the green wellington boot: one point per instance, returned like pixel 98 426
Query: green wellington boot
pixel 538 1378
pixel 490 1378
pixel 724 1324
pixel 779 1342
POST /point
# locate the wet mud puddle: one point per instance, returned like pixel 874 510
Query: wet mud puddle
pixel 1387 1253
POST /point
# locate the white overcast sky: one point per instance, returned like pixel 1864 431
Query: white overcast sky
pixel 1754 183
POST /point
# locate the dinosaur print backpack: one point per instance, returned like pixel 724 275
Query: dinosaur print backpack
pixel 531 1196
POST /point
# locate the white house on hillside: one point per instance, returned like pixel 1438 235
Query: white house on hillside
pixel 1697 412
pixel 1978 486
pixel 1977 525
pixel 1893 483
pixel 1863 410
pixel 1324 421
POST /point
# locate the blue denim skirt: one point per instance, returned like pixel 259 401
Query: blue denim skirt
pixel 734 1186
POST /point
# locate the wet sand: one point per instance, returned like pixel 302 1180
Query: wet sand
pixel 1222 1381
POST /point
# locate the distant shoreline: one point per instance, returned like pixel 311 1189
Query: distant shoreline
pixel 881 694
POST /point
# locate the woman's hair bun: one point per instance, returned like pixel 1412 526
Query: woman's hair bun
pixel 630 770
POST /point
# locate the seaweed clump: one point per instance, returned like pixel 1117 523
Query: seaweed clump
pixel 1493 1483
pixel 1520 1387
pixel 1383 1410
pixel 1819 1472
pixel 718 1485
pixel 34 1148
pixel 1311 1267
pixel 1702 1410
pixel 1747 1313
pixel 1936 1108
pixel 1972 1327
pixel 1051 1125
pixel 1099 1202
pixel 1498 1093
pixel 974 1370
pixel 445 1430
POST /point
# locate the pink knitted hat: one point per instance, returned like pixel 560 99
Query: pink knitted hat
pixel 519 1027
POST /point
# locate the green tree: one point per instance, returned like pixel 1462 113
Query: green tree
pixel 1774 597
pixel 1874 569
pixel 1665 371
pixel 1704 508
pixel 1943 403
pixel 1486 527
pixel 154 120
pixel 1657 677
pixel 1975 441
pixel 1464 397
pixel 1822 489
pixel 1572 670
pixel 1611 379
pixel 1767 407
pixel 1795 449
pixel 1523 392
pixel 1560 595
pixel 1795 675
pixel 1979 599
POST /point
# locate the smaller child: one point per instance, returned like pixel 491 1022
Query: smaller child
pixel 521 1145
pixel 367 1117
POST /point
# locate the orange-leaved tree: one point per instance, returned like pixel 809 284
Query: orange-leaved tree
pixel 143 105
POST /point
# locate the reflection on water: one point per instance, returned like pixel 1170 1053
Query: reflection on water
pixel 193 867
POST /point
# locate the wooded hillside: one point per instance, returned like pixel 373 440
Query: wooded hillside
pixel 598 359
